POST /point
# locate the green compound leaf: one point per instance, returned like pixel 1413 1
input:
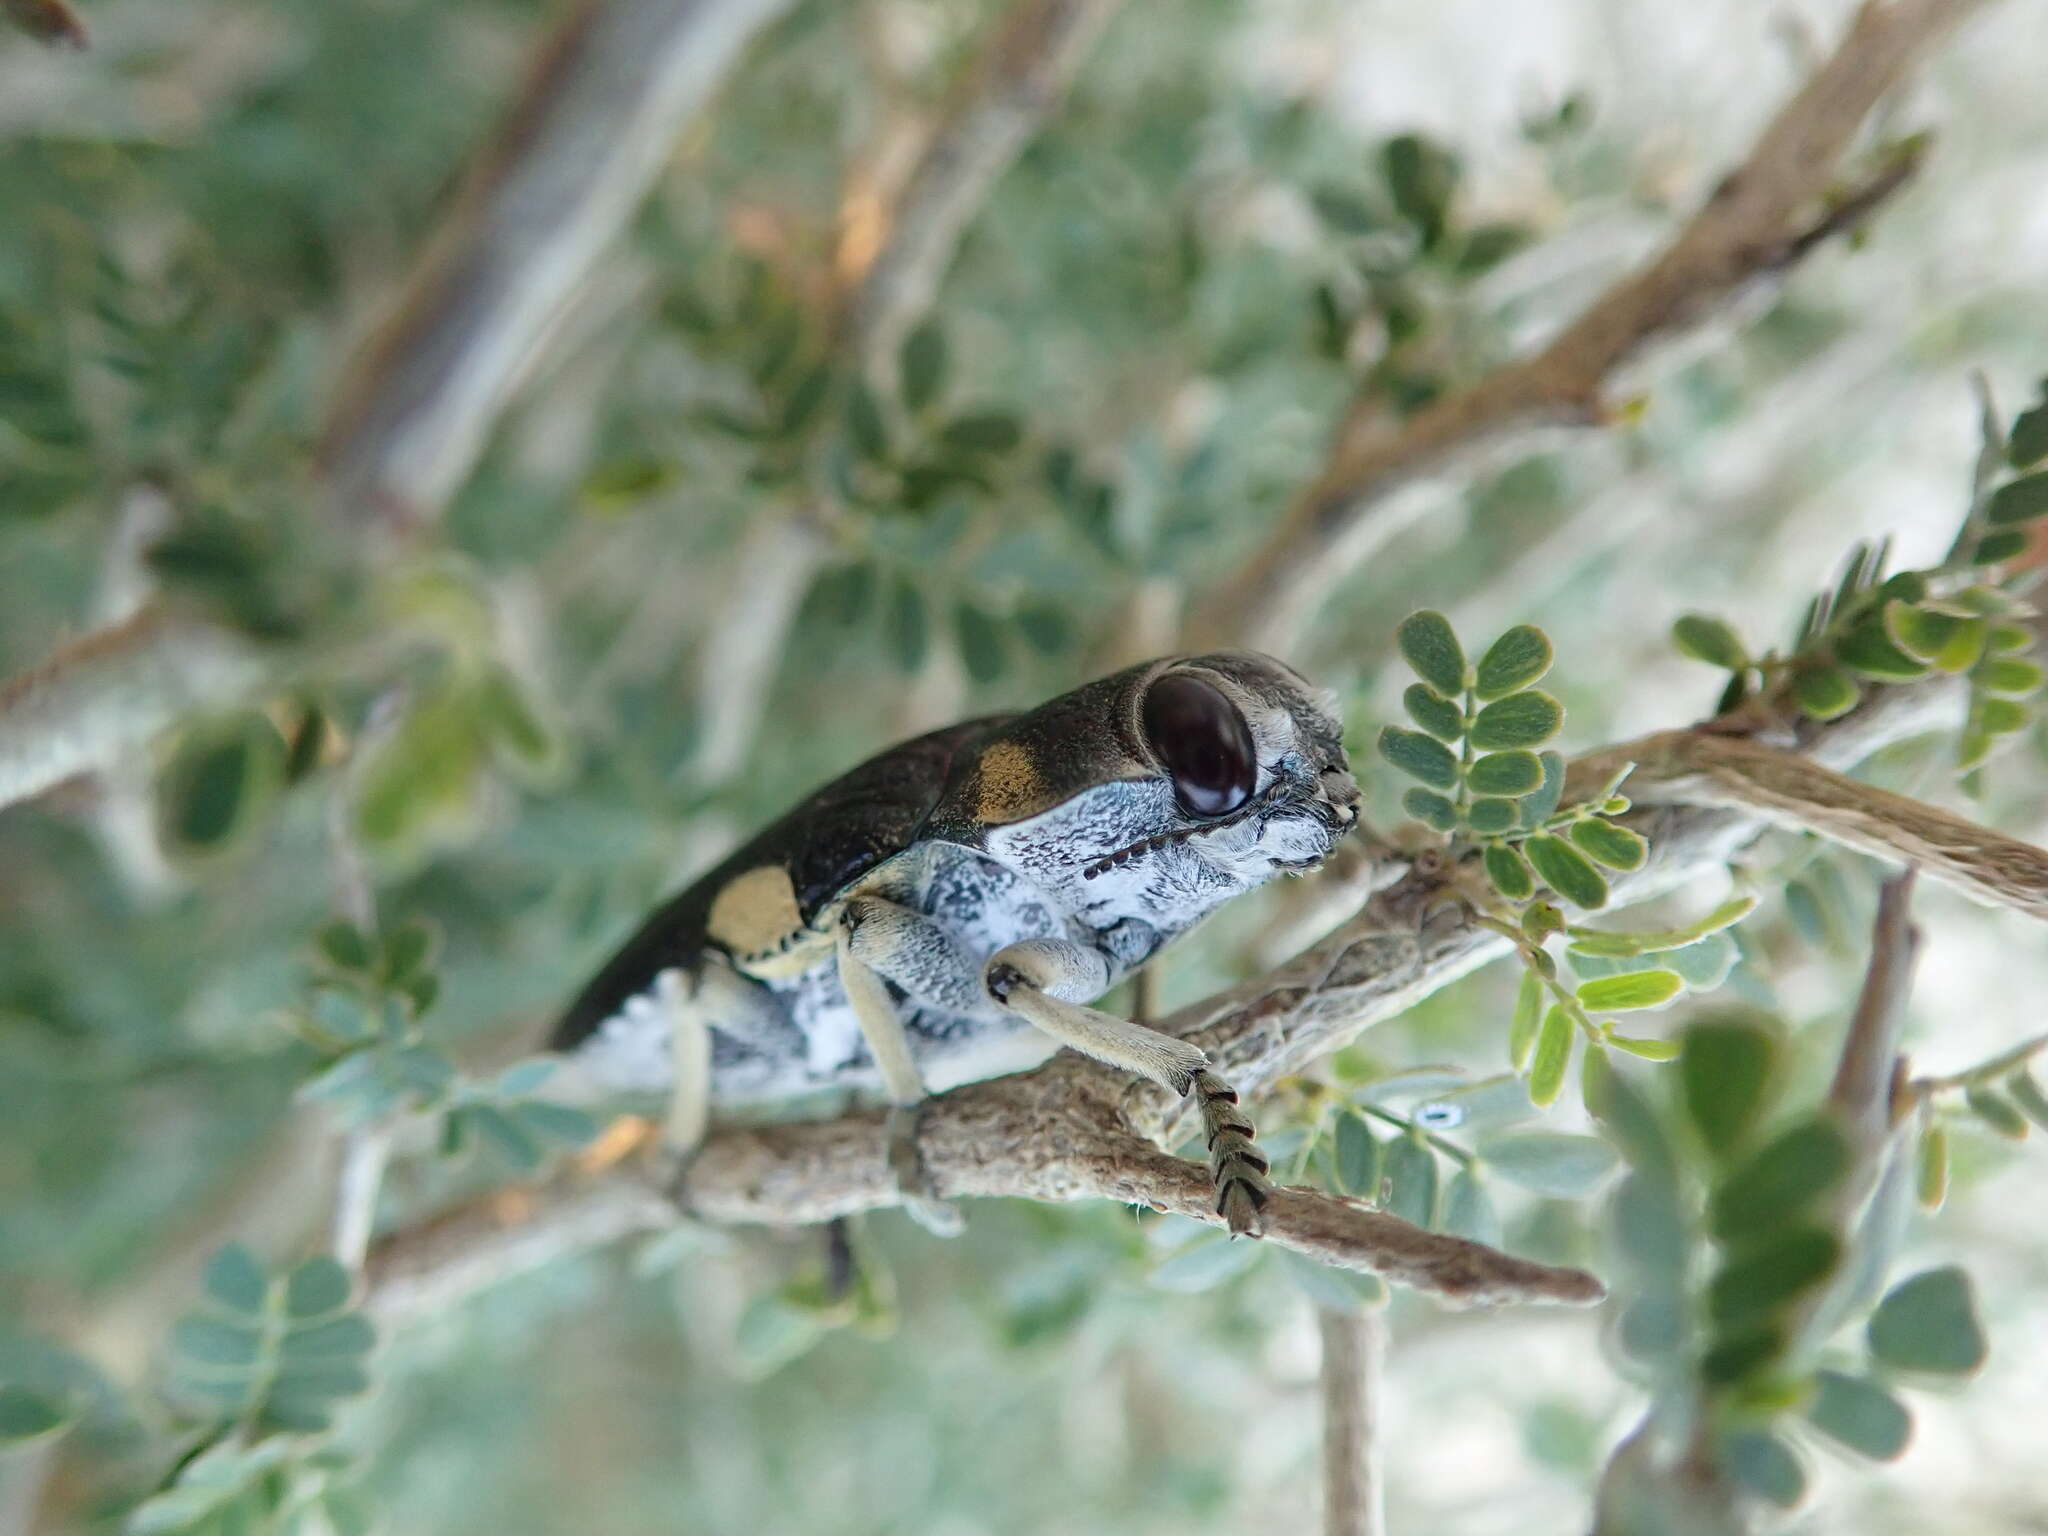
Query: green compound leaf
pixel 1514 661
pixel 1647 1048
pixel 1519 720
pixel 1358 1157
pixel 1594 941
pixel 2027 1095
pixel 981 642
pixel 1710 640
pixel 1551 1163
pixel 1630 991
pixel 1771 1272
pixel 1930 1170
pixel 1509 872
pixel 983 432
pixel 1541 806
pixel 1868 651
pixel 1431 808
pixel 1411 1176
pixel 2019 501
pixel 1431 647
pixel 2013 676
pixel 1929 1324
pixel 1506 773
pixel 1996 1111
pixel 27 1416
pixel 1469 1211
pixel 1422 176
pixel 1725 1076
pixel 235 1280
pixel 1994 548
pixel 1551 1057
pixel 923 365
pixel 213 1341
pixel 1616 847
pixel 316 1288
pixel 1528 1019
pixel 1337 1290
pixel 1824 692
pixel 1789 1173
pixel 1419 756
pixel 1858 1413
pixel 222 775
pixel 1491 814
pixel 2002 717
pixel 1566 871
pixel 1766 1466
pixel 1433 712
pixel 2028 444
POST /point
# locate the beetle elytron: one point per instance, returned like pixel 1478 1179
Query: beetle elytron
pixel 945 911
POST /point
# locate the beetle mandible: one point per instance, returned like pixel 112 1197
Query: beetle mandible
pixel 947 910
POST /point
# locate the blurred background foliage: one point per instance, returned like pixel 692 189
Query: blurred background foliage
pixel 1240 216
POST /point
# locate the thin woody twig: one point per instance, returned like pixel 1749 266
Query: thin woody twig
pixel 1001 102
pixel 574 157
pixel 1755 225
pixel 1787 789
pixel 1353 1365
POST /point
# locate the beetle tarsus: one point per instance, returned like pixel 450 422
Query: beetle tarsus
pixel 920 1197
pixel 1235 1162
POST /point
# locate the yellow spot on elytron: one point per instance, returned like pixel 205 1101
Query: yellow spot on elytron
pixel 1010 786
pixel 756 912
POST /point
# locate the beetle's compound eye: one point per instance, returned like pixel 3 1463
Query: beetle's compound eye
pixel 1204 742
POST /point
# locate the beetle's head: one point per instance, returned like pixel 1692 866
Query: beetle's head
pixel 1253 760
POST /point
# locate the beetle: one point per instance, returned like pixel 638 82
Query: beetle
pixel 947 910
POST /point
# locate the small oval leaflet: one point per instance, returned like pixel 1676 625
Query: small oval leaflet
pixel 1519 720
pixel 1419 756
pixel 1430 646
pixel 1411 1181
pixel 1565 870
pixel 1551 1057
pixel 1514 773
pixel 1606 843
pixel 1509 872
pixel 1433 712
pixel 1630 990
pixel 1929 1323
pixel 1514 661
pixel 1860 1414
pixel 1430 808
pixel 1708 639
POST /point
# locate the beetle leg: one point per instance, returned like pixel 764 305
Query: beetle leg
pixel 1045 981
pixel 882 1027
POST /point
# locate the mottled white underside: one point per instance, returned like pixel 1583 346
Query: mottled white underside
pixel 787 1038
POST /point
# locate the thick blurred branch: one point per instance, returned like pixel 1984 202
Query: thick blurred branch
pixel 1074 1129
pixel 1756 224
pixel 100 699
pixel 574 157
pixel 1001 102
pixel 49 21
pixel 606 101
pixel 1786 789
pixel 1353 1376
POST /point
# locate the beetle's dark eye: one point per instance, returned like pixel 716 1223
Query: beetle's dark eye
pixel 1204 743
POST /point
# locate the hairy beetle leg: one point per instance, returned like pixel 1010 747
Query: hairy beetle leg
pixel 1235 1163
pixel 882 1029
pixel 1027 979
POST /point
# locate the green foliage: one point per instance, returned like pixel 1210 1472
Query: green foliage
pixel 1874 629
pixel 274 1352
pixel 1928 1325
